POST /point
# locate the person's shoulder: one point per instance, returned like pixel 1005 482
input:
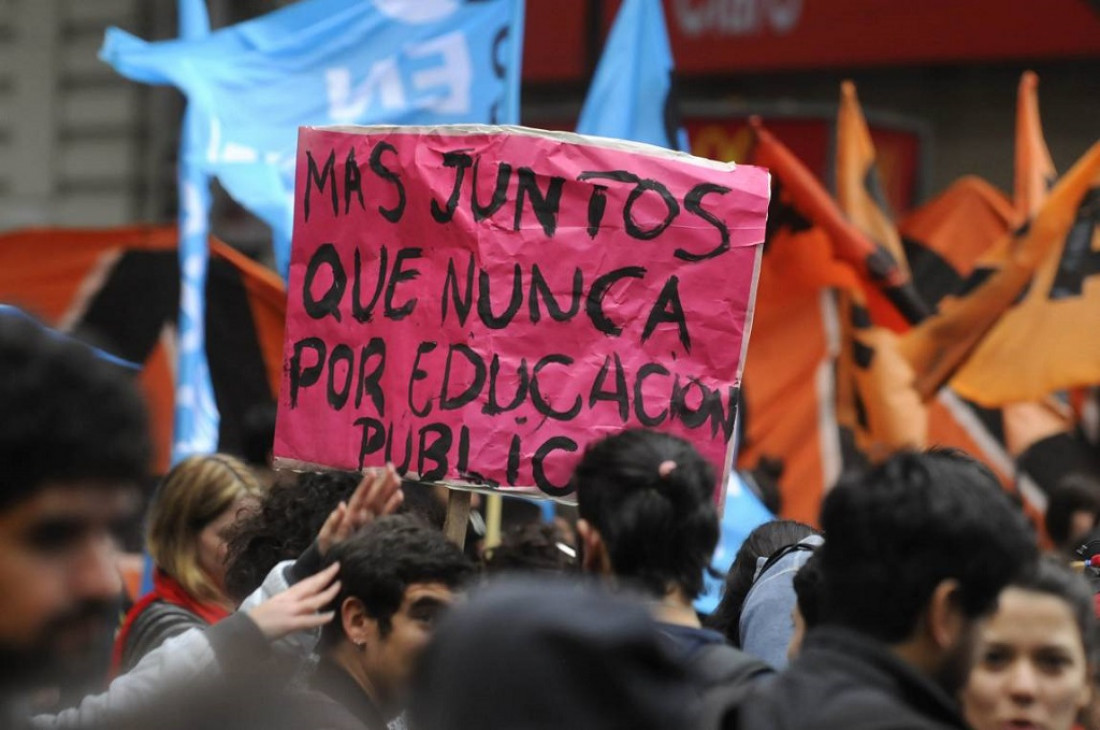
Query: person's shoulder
pixel 318 711
pixel 159 622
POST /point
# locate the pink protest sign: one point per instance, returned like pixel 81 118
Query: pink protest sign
pixel 476 304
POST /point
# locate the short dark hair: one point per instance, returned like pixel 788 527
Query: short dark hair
pixel 658 530
pixel 763 542
pixel 893 533
pixel 1053 578
pixel 532 547
pixel 65 414
pixel 807 591
pixel 379 563
pixel 1075 492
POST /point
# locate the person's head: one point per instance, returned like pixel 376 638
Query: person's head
pixel 550 653
pixel 536 547
pixel 283 525
pixel 1073 510
pixel 1035 654
pixel 763 542
pixel 73 446
pixel 397 576
pixel 916 550
pixel 807 610
pixel 646 502
pixel 191 514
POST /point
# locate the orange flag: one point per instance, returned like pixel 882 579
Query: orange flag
pixel 121 286
pixel 939 346
pixel 885 414
pixel 789 377
pixel 1047 342
pixel 890 295
pixel 858 183
pixel 945 237
pixel 1035 173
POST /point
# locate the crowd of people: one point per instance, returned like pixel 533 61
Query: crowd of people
pixel 334 600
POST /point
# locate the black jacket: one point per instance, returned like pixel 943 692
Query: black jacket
pixel 843 680
pixel 335 701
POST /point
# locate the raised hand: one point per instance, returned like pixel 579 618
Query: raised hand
pixel 379 493
pixel 296 609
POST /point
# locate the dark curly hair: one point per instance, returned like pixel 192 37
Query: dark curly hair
pixel 286 523
pixel 65 414
pixel 291 515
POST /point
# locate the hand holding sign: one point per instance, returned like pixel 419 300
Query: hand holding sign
pixel 475 304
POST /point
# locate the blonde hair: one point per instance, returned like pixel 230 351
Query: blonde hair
pixel 191 496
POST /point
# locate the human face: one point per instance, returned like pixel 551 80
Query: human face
pixel 59 582
pixel 1031 671
pixel 213 546
pixel 389 660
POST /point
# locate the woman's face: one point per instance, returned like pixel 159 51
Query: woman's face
pixel 212 544
pixel 1031 672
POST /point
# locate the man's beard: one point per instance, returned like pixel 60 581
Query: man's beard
pixel 71 653
pixel 954 670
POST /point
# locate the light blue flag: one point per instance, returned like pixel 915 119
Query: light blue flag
pixel 743 513
pixel 320 62
pixel 632 95
pixel 195 429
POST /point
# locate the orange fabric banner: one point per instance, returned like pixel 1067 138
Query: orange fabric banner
pixel 1035 173
pixel 789 379
pixel 938 346
pixel 890 295
pixel 1045 342
pixel 120 288
pixel 948 235
pixel 859 188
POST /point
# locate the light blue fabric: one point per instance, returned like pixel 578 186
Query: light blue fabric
pixel 742 514
pixel 630 97
pixel 766 621
pixel 196 418
pixel 320 62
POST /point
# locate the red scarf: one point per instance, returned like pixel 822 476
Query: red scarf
pixel 167 589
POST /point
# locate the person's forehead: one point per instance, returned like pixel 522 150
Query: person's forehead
pixel 85 500
pixel 428 591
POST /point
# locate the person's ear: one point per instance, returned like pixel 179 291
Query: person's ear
pixel 946 621
pixel 594 557
pixel 358 626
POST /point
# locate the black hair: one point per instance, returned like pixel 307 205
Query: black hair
pixel 258 433
pixel 1075 492
pixel 1053 578
pixel 807 590
pixel 658 530
pixel 895 532
pixel 65 414
pixel 379 563
pixel 286 523
pixel 763 542
pixel 532 547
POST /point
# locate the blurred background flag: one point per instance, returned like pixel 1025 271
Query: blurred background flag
pixel 633 94
pixel 320 62
pixel 195 419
